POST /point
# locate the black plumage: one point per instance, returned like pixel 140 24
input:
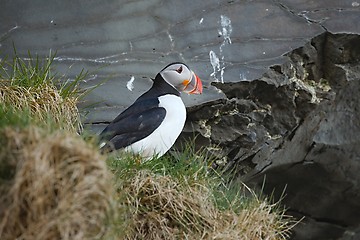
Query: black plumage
pixel 140 119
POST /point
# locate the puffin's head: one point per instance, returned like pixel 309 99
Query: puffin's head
pixel 182 78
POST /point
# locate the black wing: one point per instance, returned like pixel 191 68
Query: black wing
pixel 134 124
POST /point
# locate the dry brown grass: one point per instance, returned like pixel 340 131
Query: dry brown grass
pixel 257 221
pixel 61 188
pixel 161 208
pixel 44 103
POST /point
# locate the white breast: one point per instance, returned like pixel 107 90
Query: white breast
pixel 162 139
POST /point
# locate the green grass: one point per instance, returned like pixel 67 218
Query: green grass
pixel 177 165
pixel 31 73
pixel 186 167
pixel 33 86
pixel 35 72
pixel 11 117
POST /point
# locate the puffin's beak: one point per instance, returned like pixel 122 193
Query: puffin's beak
pixel 194 86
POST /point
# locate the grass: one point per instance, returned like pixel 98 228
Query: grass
pixel 31 85
pixel 37 73
pixel 182 197
pixel 29 74
pixel 59 186
pixel 56 185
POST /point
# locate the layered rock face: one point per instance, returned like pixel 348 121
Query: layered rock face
pixel 298 129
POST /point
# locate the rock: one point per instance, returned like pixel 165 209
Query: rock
pixel 121 40
pixel 351 234
pixel 298 127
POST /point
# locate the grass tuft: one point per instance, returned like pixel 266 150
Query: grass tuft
pixel 59 186
pixel 29 85
pixel 42 103
pixel 32 73
pixel 182 197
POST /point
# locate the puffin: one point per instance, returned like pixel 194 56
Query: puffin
pixel 151 125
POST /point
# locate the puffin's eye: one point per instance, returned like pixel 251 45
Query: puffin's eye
pixel 179 70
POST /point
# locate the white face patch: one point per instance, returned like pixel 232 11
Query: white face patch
pixel 176 74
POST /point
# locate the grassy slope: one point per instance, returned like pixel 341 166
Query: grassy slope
pixel 166 198
pixel 183 198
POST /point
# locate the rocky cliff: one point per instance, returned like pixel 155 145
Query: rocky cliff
pixel 298 129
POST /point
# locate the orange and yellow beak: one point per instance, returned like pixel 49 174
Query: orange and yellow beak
pixel 194 85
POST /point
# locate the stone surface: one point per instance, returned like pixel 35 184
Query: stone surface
pixel 297 128
pixel 116 40
pixel 272 106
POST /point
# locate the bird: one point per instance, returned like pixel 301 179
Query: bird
pixel 151 125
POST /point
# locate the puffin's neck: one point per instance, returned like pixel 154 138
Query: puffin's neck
pixel 163 87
